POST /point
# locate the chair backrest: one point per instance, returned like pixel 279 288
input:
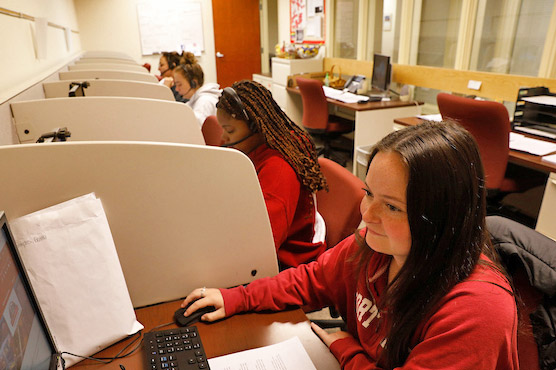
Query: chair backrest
pixel 212 131
pixel 489 123
pixel 315 106
pixel 340 205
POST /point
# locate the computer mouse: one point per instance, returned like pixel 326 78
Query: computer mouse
pixel 181 320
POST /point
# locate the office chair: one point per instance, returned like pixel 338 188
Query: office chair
pixel 489 123
pixel 318 122
pixel 529 257
pixel 212 131
pixel 340 205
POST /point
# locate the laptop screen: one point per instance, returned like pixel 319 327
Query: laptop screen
pixel 24 340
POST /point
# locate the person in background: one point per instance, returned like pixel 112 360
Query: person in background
pixel 285 159
pixel 168 61
pixel 189 80
pixel 419 286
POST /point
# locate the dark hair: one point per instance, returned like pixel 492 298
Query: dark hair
pixel 278 130
pixel 446 209
pixel 190 70
pixel 172 58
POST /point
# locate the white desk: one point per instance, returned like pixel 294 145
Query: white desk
pixel 373 120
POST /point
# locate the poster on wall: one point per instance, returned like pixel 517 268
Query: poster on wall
pixel 170 25
pixel 307 21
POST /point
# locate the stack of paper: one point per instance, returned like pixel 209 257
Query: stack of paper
pixel 530 145
pixel 343 96
pixel 550 158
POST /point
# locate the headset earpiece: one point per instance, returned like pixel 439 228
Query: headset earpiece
pixel 193 84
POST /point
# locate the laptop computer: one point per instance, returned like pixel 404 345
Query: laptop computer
pixel 25 341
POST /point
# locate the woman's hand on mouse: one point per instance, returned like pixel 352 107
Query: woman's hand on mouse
pixel 202 297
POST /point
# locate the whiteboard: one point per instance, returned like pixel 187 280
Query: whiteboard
pixel 170 25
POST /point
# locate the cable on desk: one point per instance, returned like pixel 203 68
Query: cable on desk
pixel 107 360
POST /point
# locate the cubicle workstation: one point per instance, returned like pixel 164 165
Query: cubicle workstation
pixel 173 221
pixel 138 89
pixel 105 60
pixel 107 74
pixel 108 66
pixel 107 118
pixel 106 54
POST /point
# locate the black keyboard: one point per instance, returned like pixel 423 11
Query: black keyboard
pixel 175 349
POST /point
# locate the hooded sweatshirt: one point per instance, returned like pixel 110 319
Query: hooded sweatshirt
pixel 203 102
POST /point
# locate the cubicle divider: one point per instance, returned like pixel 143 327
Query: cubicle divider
pixel 126 88
pixel 107 74
pixel 107 118
pixel 109 67
pixel 105 60
pixel 181 216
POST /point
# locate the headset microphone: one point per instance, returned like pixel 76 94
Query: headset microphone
pixel 166 70
pixel 239 141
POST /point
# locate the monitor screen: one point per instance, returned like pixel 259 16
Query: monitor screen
pixel 381 72
pixel 24 340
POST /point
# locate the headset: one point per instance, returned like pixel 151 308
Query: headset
pixel 171 63
pixel 236 101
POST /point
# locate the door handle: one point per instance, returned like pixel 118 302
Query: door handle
pixel 219 55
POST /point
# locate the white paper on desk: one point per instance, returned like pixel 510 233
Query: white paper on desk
pixel 74 269
pixel 431 117
pixel 550 158
pixel 533 146
pixel 287 355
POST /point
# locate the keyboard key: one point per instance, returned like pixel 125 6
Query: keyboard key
pixel 171 349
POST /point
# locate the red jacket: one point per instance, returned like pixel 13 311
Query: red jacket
pixel 290 207
pixel 475 326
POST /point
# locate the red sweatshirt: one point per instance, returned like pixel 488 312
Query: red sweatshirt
pixel 290 207
pixel 475 326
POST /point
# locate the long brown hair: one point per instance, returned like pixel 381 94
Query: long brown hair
pixel 278 130
pixel 446 209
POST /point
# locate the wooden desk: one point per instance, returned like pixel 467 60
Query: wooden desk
pixel 373 120
pixel 517 157
pixel 233 334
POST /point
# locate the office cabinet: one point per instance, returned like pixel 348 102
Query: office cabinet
pixel 546 223
pixel 281 69
pixel 264 80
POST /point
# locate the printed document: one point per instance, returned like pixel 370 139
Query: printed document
pixel 286 355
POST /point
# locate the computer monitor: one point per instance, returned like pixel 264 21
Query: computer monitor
pixel 381 73
pixel 25 342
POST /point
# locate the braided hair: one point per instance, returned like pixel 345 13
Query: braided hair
pixel 278 130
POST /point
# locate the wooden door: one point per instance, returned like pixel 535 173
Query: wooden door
pixel 237 40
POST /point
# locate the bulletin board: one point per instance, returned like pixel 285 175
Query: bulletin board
pixel 307 22
pixel 170 25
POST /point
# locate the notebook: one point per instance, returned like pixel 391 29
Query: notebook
pixel 25 342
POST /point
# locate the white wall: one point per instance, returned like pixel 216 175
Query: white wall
pixel 20 67
pixel 113 25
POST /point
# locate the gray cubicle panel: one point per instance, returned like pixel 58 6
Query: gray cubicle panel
pixel 138 89
pixel 108 118
pixel 107 74
pixel 109 67
pixel 181 216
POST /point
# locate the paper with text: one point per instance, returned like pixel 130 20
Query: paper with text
pixel 287 355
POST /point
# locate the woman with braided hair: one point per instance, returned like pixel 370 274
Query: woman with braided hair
pixel 285 159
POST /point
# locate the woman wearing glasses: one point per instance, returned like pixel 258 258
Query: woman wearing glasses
pixel 286 163
pixel 189 81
